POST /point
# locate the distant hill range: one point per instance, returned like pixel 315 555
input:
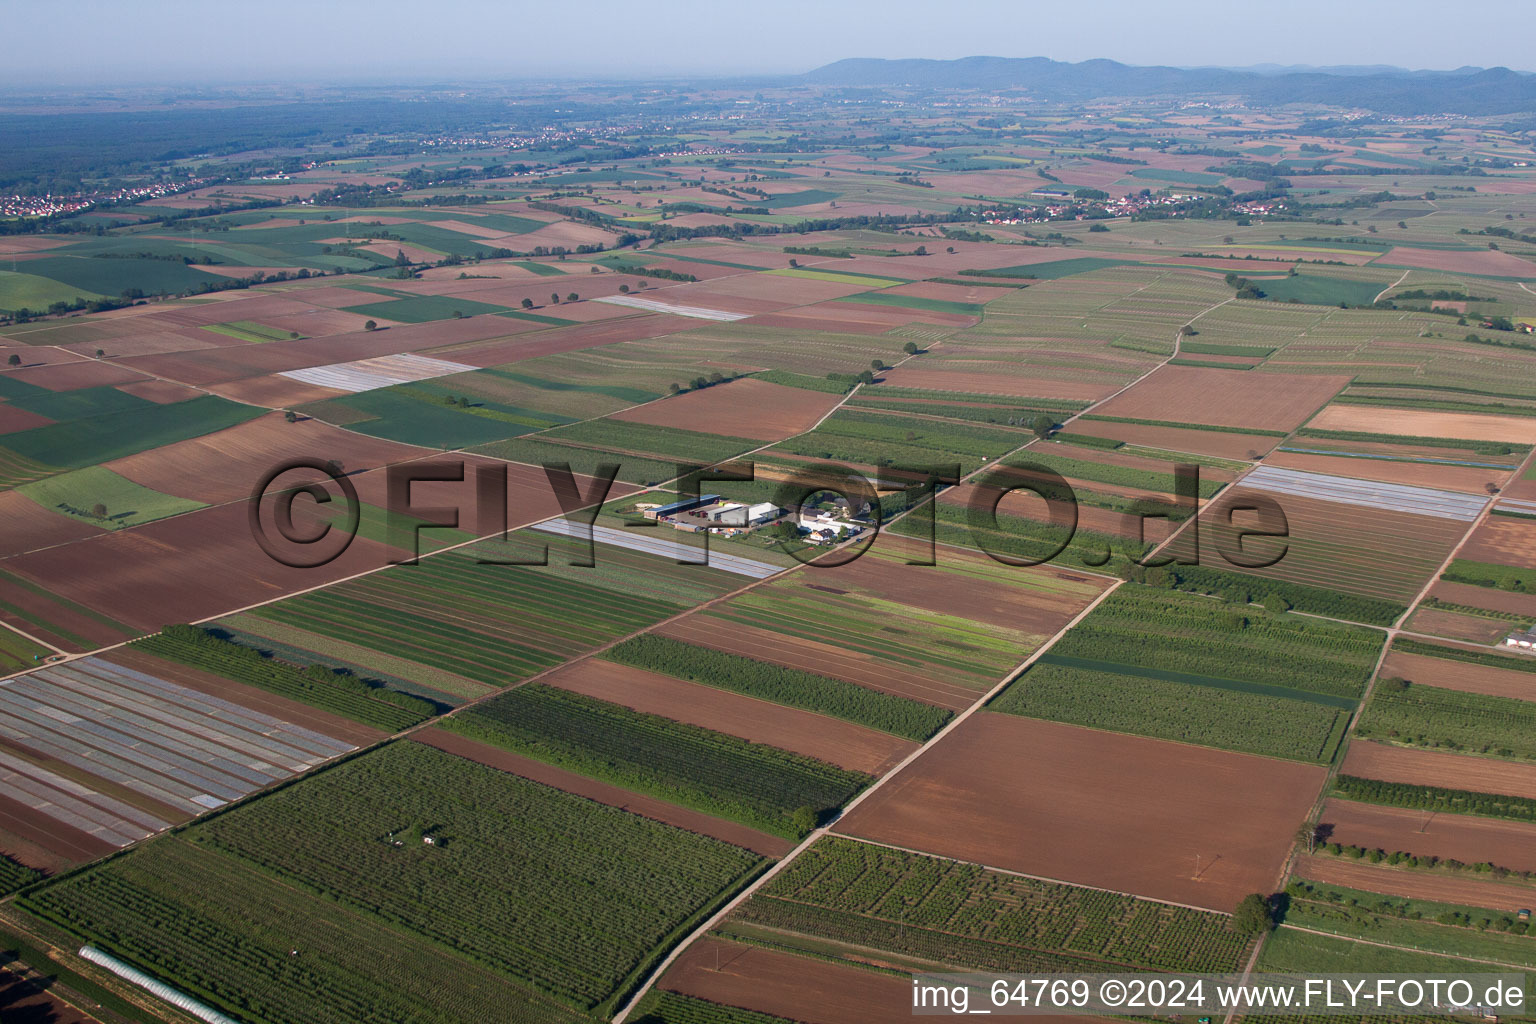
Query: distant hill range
pixel 1381 89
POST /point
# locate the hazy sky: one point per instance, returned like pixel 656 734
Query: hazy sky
pixel 141 41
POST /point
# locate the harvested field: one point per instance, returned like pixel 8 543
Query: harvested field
pixel 1069 803
pixel 813 656
pixel 1371 760
pixel 1457 626
pixel 161 392
pixel 741 408
pixel 1415 885
pixel 1460 675
pixel 276 391
pixel 1509 844
pixel 1021 386
pixel 603 793
pixel 802 732
pixel 1226 398
pixel 794 987
pixel 1471 426
pixel 1522 605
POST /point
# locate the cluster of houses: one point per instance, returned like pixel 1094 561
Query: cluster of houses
pixel 1061 203
pixel 51 205
pixel 1523 641
pixel 732 518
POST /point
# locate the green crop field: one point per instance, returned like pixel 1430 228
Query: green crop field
pixel 874 437
pixel 426 413
pixel 917 302
pixel 1146 628
pixel 857 280
pixel 788 686
pixel 1176 177
pixel 1321 290
pixel 29 291
pixel 126 503
pixel 316 685
pixel 420 309
pixel 321 902
pixel 498 623
pixel 1490 574
pixel 125 429
pixel 249 330
pixel 858 895
pixel 752 783
pixel 1428 716
pixel 1210 715
pixel 17 652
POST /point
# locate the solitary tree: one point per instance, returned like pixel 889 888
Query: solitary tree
pixel 674 388
pixel 554 298
pixel 291 416
pixel 910 348
pixel 794 262
pixel 1306 836
pixel 866 377
pixel 100 353
pixel 527 303
pixel 15 360
pixel 1252 916
pixel 572 297
pixel 624 288
pixel 877 365
pixel 371 325
pixel 99 510
pixel 803 818
pixel 1042 425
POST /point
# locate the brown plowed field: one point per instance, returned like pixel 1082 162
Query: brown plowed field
pixel 1485 597
pixel 273 391
pixel 1456 626
pixel 1509 844
pixel 1200 442
pixel 1438 768
pixel 1502 540
pixel 1469 479
pixel 24 1001
pixel 827 739
pixel 1459 675
pixel 1416 885
pixel 1021 386
pixel 1493 264
pixel 1470 426
pixel 82 374
pixel 812 656
pixel 226 465
pixel 565 339
pixel 29 526
pixel 183 569
pixel 603 793
pixel 1097 808
pixel 1226 398
pixel 317 719
pixel 742 408
pixel 34 826
pixel 794 987
pixel 13 419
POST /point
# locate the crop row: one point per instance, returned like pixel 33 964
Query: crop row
pixel 1019 537
pixel 965 913
pixel 790 686
pixel 1106 473
pixel 1163 629
pixel 758 785
pixel 1427 716
pixel 267 953
pixel 317 686
pixel 1230 719
pixel 1241 588
pixel 668 442
pixel 1436 798
pixel 14 875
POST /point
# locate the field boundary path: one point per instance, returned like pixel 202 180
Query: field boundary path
pixel 823 830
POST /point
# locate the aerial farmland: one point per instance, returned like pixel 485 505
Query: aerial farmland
pixel 712 551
